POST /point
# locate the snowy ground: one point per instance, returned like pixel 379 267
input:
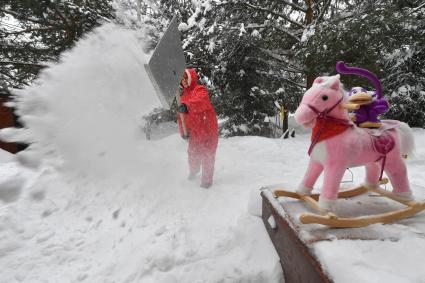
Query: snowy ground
pixel 91 200
pixel 164 228
pixel 159 228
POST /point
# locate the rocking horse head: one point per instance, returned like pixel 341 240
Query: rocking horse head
pixel 325 98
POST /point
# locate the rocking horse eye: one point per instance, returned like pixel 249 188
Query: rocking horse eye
pixel 325 97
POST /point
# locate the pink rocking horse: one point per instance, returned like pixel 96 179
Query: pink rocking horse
pixel 338 144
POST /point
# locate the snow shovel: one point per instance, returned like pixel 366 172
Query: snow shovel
pixel 166 67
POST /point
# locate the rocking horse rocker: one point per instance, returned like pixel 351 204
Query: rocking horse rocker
pixel 337 144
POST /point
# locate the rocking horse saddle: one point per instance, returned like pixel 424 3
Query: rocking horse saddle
pixel 382 141
pixel 383 144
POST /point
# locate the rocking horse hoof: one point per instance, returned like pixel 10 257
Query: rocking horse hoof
pixel 404 196
pixel 303 191
pixel 326 205
pixel 370 186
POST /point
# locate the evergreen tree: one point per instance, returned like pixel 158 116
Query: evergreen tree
pixel 404 79
pixel 245 49
pixel 252 53
pixel 386 37
pixel 36 31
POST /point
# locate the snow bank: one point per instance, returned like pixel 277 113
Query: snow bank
pixel 101 204
pixel 6 156
pixel 158 227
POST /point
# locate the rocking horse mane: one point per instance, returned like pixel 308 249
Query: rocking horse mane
pixel 325 81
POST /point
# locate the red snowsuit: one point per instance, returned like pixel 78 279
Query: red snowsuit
pixel 202 128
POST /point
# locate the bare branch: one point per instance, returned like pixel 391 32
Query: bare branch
pixel 295 6
pixel 274 13
pixel 20 17
pixel 346 16
pixel 293 69
pixel 15 82
pixel 30 30
pixel 258 26
pixel 60 15
pixel 288 33
pixel 274 64
pixel 417 8
pixel 284 79
pixel 22 64
pixel 324 10
pixel 25 47
pixel 7 74
pixel 293 83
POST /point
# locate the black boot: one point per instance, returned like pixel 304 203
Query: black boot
pixel 206 185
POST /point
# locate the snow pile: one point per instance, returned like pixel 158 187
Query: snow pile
pixel 11 180
pixel 167 229
pixel 156 228
pixel 98 203
pixel 5 156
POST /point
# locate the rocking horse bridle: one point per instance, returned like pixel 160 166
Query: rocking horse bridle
pixel 323 115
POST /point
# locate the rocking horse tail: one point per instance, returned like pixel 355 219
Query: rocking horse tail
pixel 407 141
pixel 343 69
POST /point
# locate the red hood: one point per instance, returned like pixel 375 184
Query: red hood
pixel 193 78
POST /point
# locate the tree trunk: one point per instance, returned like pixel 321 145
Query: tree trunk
pixel 139 17
pixel 308 60
pixel 285 124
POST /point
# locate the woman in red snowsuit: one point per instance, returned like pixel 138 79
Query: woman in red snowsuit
pixel 201 124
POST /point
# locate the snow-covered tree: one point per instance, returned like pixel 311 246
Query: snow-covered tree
pixel 35 31
pixel 246 45
pixel 405 67
pixel 386 37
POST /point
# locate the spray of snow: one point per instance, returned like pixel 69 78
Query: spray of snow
pixel 84 114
